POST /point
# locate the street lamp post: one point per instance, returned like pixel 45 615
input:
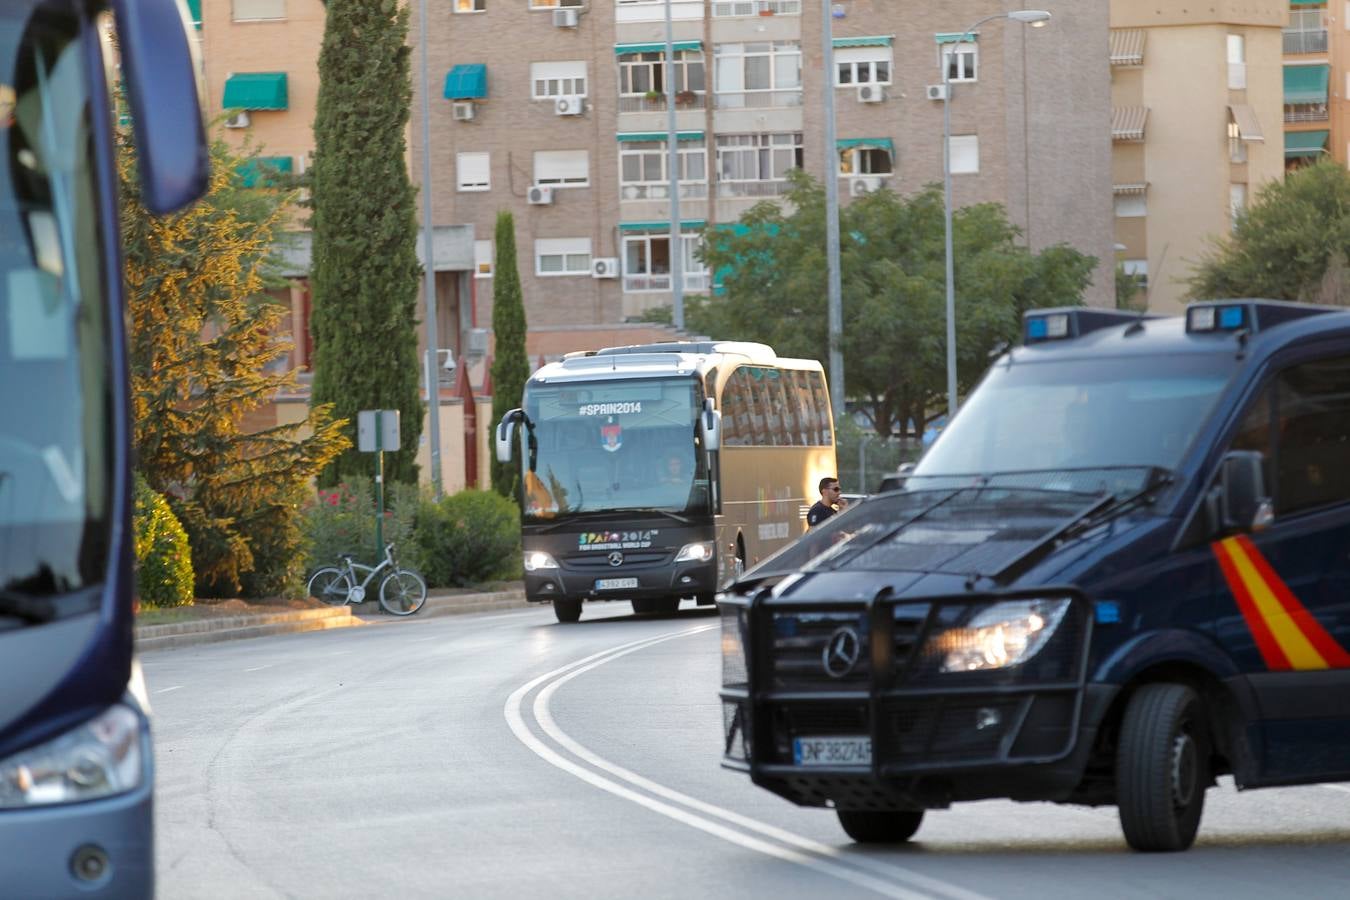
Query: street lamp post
pixel 1035 18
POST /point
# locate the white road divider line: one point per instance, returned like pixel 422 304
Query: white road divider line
pixel 167 689
pixel 259 668
pixel 808 852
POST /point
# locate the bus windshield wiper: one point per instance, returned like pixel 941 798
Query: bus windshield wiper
pixel 33 610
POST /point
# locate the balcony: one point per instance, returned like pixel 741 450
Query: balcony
pixel 637 103
pixel 1305 40
pixel 689 190
pixel 722 9
pixel 1310 112
pixel 752 188
pixel 660 281
pixel 760 99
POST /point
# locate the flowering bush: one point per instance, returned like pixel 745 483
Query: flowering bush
pixel 468 538
pixel 163 558
pixel 342 520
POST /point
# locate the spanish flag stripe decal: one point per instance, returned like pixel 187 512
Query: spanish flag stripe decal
pixel 1331 652
pixel 1265 641
pixel 1297 648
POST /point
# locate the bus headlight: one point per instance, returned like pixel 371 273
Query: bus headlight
pixel 1002 635
pixel 702 551
pixel 538 559
pixel 100 758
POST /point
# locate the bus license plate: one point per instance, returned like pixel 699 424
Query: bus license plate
pixel 832 751
pixel 615 584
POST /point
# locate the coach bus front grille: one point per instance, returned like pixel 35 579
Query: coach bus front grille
pixel 596 562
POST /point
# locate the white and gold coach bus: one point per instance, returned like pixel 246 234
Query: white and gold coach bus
pixel 655 473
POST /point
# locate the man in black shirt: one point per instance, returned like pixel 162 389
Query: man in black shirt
pixel 829 503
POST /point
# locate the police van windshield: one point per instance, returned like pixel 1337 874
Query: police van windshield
pixel 613 445
pixel 1078 415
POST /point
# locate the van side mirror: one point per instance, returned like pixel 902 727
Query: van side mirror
pixel 506 435
pixel 1244 504
pixel 710 427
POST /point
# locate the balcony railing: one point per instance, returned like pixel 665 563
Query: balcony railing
pixel 1298 40
pixel 689 190
pixel 759 99
pixel 1306 113
pixel 725 8
pixel 693 281
pixel 752 188
pixel 683 100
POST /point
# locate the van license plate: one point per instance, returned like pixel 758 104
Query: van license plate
pixel 615 584
pixel 832 751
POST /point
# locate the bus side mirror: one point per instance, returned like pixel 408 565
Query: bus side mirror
pixel 710 427
pixel 1243 502
pixel 506 436
pixel 164 95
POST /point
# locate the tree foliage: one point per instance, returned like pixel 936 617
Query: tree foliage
pixel 772 267
pixel 204 341
pixel 365 270
pixel 510 364
pixel 1290 244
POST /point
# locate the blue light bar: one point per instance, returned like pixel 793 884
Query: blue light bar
pixel 1062 323
pixel 1251 316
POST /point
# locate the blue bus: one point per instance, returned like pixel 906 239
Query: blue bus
pixel 76 773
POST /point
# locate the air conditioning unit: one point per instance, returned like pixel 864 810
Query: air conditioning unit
pixel 605 267
pixel 541 194
pixel 937 92
pixel 565 18
pixel 238 120
pixel 476 341
pixel 462 110
pixel 870 93
pixel 569 106
pixel 866 185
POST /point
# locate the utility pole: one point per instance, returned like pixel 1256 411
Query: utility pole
pixel 673 172
pixel 834 290
pixel 429 270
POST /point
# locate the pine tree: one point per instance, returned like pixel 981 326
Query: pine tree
pixel 510 365
pixel 202 339
pixel 365 271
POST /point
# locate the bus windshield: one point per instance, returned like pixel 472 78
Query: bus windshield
pixel 613 445
pixel 55 438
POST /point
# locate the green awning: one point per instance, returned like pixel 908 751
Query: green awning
pixel 627 49
pixel 875 40
pixel 1306 84
pixel 261 171
pixel 466 82
pixel 195 12
pixel 1307 2
pixel 1305 143
pixel 255 90
pixel 879 143
pixel 685 225
pixel 957 37
pixel 658 135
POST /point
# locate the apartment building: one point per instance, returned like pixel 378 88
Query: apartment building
pixel 1196 97
pixel 1315 83
pixel 555 110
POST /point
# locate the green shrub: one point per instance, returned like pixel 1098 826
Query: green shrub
pixel 467 538
pixel 164 574
pixel 277 539
pixel 342 520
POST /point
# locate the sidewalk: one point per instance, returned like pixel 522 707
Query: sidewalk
pixel 264 624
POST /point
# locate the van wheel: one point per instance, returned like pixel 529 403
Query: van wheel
pixel 890 827
pixel 1162 768
pixel 567 609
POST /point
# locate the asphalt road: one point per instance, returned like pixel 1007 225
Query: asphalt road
pixel 503 755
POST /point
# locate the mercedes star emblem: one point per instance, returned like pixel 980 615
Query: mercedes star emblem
pixel 842 651
pixel 616 558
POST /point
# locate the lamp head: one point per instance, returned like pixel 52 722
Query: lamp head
pixel 1036 18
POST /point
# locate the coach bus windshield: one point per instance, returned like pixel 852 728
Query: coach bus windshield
pixel 54 343
pixel 613 445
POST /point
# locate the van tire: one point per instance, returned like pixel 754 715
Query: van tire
pixel 873 827
pixel 567 609
pixel 1162 768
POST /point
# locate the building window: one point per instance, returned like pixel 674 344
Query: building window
pixel 965 154
pixel 558 79
pixel 554 4
pixel 864 160
pixel 473 172
pixel 1131 206
pixel 646 263
pixel 756 165
pixel 470 6
pixel 757 75
pixel 960 60
pixel 562 256
pixel 256 10
pixel 732 8
pixel 862 65
pixel 1138 269
pixel 1237 62
pixel 1237 202
pixel 643 74
pixel 643 174
pixel 562 168
pixel 482 259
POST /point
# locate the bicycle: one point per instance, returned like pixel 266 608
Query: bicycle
pixel 402 591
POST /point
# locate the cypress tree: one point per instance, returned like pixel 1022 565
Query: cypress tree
pixel 510 365
pixel 365 272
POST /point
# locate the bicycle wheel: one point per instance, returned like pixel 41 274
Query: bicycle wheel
pixel 403 592
pixel 331 585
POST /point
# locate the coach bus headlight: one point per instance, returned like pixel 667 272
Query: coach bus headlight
pixel 100 758
pixel 536 560
pixel 1003 635
pixel 701 551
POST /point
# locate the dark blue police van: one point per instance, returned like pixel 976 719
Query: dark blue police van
pixel 1122 571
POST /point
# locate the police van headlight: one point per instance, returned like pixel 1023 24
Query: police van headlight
pixel 100 758
pixel 701 551
pixel 1002 635
pixel 734 664
pixel 538 559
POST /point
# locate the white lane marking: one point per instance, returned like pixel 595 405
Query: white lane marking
pixel 516 720
pixel 259 668
pixel 543 714
pixel 1337 787
pixel 167 689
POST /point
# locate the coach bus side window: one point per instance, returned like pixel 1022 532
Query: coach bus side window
pixel 755 403
pixel 822 407
pixel 1313 444
pixel 788 392
pixel 807 404
pixel 734 425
